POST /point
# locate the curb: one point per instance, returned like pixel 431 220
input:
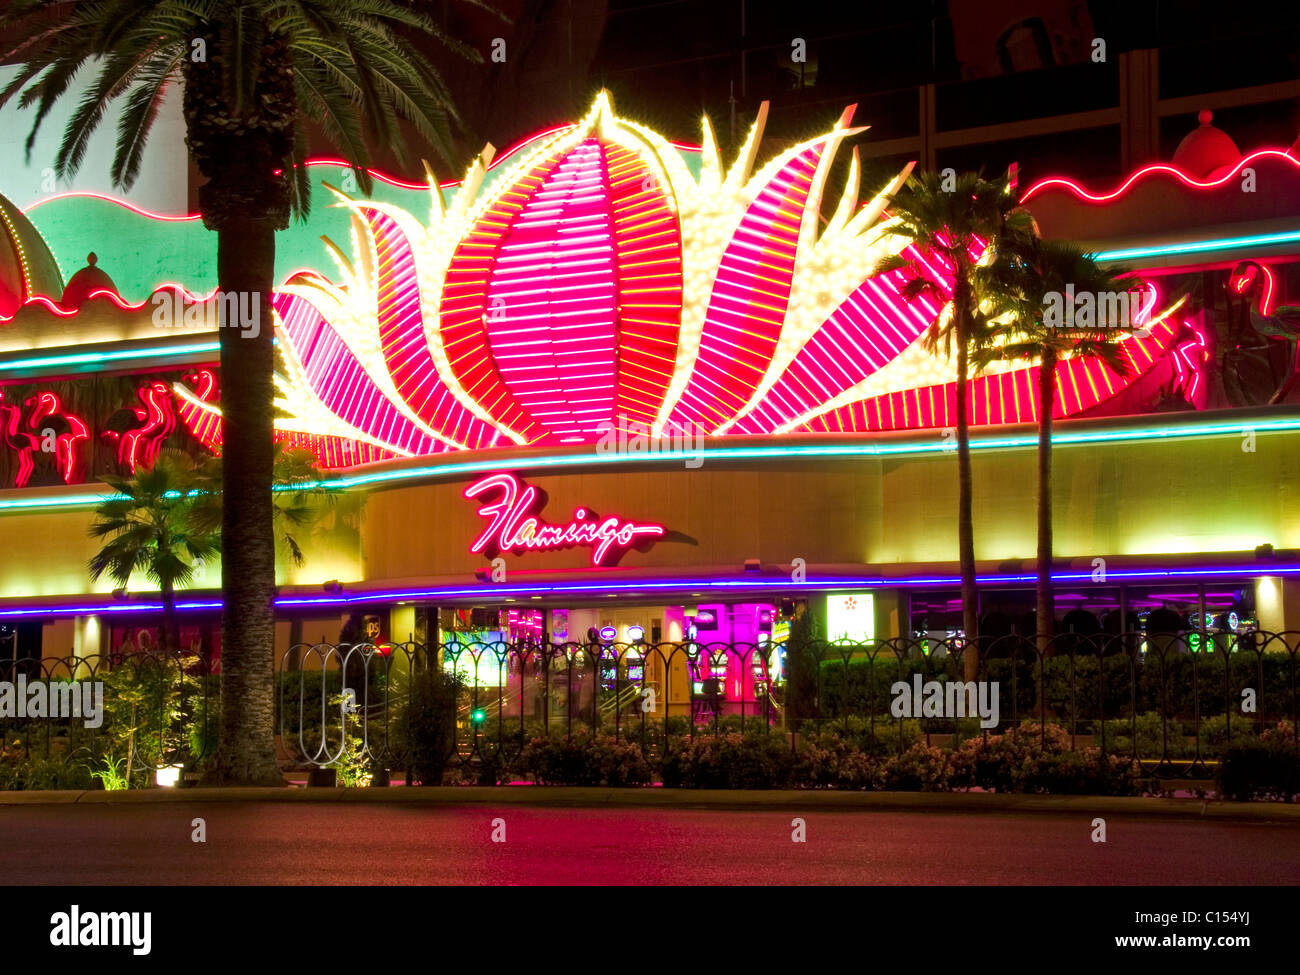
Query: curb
pixel 658 798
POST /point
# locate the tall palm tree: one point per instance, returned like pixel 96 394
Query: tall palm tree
pixel 950 217
pixel 1027 290
pixel 255 73
pixel 149 529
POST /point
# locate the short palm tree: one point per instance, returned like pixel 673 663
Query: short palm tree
pixel 1030 278
pixel 150 530
pixel 949 217
pixel 299 498
pixel 255 73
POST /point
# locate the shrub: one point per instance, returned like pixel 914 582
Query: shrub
pixel 1006 762
pixel 1153 737
pixel 148 705
pixel 827 761
pixel 204 719
pixel 752 761
pixel 802 659
pixel 353 767
pixel 1081 773
pixel 881 737
pixel 425 725
pixel 584 760
pixel 1214 733
pixel 922 768
pixel 1267 769
pixel 61 769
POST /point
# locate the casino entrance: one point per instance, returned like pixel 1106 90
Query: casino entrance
pixel 698 660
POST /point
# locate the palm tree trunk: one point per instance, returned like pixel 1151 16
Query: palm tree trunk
pixel 965 524
pixel 171 628
pixel 1046 611
pixel 246 748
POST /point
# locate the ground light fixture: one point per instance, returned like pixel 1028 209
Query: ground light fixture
pixel 168 777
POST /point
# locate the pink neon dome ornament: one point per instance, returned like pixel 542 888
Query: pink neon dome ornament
pixel 597 282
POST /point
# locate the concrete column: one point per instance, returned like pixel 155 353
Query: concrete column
pixel 891 614
pixel 926 158
pixel 1277 603
pixel 88 637
pixel 401 623
pixel 1139 91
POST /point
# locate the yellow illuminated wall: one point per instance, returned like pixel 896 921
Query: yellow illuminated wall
pixel 1119 498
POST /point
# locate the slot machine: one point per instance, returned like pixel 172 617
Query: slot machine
pixel 635 666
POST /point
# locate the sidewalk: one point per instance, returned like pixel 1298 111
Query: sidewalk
pixel 796 800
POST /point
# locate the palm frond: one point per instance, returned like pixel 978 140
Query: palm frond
pixel 141 112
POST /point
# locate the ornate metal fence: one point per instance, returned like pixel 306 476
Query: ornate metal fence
pixel 120 717
pixel 1171 701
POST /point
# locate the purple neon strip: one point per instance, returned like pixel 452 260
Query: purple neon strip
pixel 846 582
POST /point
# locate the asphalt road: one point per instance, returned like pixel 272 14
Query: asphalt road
pixel 328 843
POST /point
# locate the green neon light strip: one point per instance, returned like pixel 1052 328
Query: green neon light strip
pixel 792 451
pixel 1123 254
pixel 69 501
pixel 80 358
pixel 1195 247
pixel 781 451
pixel 830 450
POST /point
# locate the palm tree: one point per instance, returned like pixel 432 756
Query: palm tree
pixel 949 217
pixel 149 528
pixel 255 72
pixel 298 498
pixel 1031 278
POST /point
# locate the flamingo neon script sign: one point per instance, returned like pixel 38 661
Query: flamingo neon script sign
pixel 513 525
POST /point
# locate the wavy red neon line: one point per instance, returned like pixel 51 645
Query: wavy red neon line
pixel 117 299
pixel 1145 171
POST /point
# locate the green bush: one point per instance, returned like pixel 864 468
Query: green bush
pixel 803 655
pixel 425 723
pixel 21 770
pixel 151 704
pixel 922 768
pixel 861 686
pixel 584 760
pixel 1006 762
pixel 304 690
pixel 1083 773
pixel 1214 733
pixel 879 737
pixel 827 761
pixel 204 718
pixel 1155 738
pixel 733 761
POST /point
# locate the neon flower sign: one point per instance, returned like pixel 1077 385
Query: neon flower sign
pixel 514 525
pixel 601 284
